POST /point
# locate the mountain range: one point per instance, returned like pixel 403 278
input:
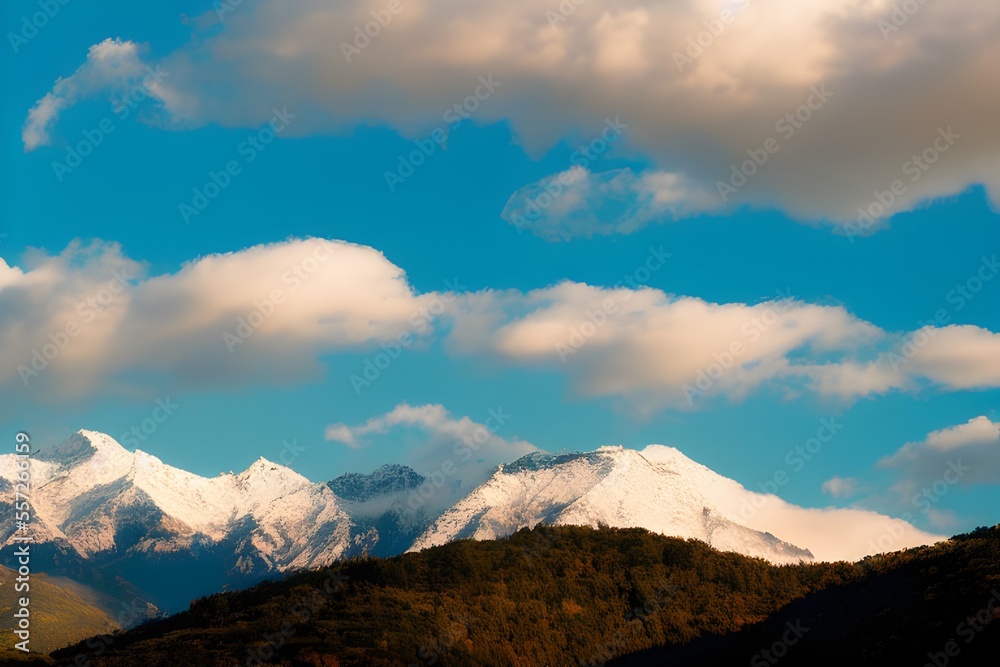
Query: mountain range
pixel 126 523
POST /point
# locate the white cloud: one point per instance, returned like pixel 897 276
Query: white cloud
pixel 657 350
pixel 455 455
pixel 49 316
pixel 976 431
pixel 621 57
pixel 954 357
pixel 112 67
pixel 963 357
pixel 266 313
pixel 270 312
pixel 850 378
pixel 840 487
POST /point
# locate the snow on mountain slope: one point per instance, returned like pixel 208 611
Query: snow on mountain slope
pixel 659 489
pixel 95 500
pixel 85 461
pixel 831 534
pixel 262 483
pixel 100 499
pixel 305 528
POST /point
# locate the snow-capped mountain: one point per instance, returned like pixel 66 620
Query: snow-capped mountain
pixel 126 520
pixel 89 490
pixel 98 505
pixel 612 486
pixel 661 490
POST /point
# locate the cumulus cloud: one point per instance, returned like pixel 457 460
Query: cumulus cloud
pixel 963 357
pixel 955 357
pixel 658 350
pixel 87 320
pixel 693 109
pixel 455 455
pixel 579 203
pixel 112 67
pixel 49 311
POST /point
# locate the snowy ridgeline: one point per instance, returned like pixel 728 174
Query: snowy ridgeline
pixel 95 500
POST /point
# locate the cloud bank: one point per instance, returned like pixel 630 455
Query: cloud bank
pixel 704 87
pixel 656 350
pixel 89 321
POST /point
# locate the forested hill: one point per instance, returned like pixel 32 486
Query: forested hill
pixel 548 596
pixel 931 606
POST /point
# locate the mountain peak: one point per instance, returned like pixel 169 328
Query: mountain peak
pixel 386 479
pixel 81 446
pixel 666 493
pixel 263 470
pixel 101 441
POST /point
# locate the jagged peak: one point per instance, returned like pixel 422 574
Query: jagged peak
pixel 386 479
pixel 265 465
pixel 101 441
pixel 80 446
pixel 265 469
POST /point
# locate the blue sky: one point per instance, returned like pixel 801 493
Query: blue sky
pixel 324 177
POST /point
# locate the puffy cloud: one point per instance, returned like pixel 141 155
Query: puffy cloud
pixel 955 357
pixel 113 67
pixel 455 455
pixel 962 357
pixel 696 102
pixel 840 487
pixel 657 350
pixel 87 320
pixel 978 431
pixel 851 378
pixel 50 311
